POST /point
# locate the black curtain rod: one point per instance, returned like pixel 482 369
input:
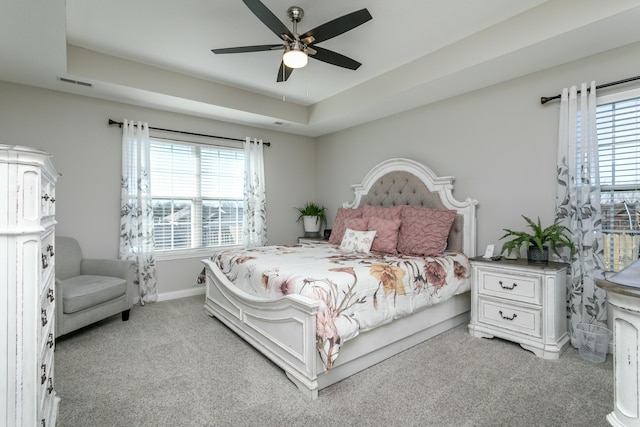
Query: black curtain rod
pixel 545 99
pixel 113 122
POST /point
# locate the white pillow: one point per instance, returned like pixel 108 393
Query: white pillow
pixel 357 241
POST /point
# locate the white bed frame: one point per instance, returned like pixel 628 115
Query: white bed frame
pixel 285 330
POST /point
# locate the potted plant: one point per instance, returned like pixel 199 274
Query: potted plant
pixel 313 217
pixel 537 250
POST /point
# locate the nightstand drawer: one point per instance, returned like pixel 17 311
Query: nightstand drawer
pixel 521 287
pixel 516 318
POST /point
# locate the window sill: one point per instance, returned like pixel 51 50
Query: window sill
pixel 191 253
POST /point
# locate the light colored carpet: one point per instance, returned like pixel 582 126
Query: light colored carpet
pixel 173 365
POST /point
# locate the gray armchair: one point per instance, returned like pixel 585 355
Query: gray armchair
pixel 89 290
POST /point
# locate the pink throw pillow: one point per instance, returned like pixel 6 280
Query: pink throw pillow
pixel 343 214
pixel 386 239
pixel 357 224
pixel 424 231
pixel 393 212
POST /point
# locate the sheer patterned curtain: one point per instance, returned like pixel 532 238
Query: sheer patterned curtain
pixel 578 206
pixel 136 211
pixel 255 200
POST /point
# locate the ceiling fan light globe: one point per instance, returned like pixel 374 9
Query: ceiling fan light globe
pixel 295 58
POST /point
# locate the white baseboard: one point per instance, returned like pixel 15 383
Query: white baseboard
pixel 183 293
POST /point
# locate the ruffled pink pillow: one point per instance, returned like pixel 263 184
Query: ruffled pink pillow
pixel 357 224
pixel 393 212
pixel 343 214
pixel 386 239
pixel 424 231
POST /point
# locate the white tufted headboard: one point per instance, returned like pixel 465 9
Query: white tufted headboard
pixel 406 182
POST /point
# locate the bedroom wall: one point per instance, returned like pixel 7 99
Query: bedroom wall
pixel 87 153
pixel 499 143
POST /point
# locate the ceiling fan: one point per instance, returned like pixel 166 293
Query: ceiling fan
pixel 298 47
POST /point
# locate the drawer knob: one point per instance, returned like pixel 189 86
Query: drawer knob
pixel 45 261
pixel 50 295
pixel 50 341
pixel 50 388
pixel 45 197
pixel 50 250
pixel 43 316
pixel 43 377
pixel 506 287
pixel 507 317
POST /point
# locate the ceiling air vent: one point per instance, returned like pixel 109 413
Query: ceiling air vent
pixel 76 82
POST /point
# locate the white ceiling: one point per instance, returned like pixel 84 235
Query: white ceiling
pixel 158 53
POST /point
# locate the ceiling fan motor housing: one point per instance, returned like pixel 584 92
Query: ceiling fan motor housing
pixel 295 13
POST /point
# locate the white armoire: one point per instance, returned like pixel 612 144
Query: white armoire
pixel 27 287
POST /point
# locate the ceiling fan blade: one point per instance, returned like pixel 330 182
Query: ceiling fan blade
pixel 284 72
pixel 268 18
pixel 338 26
pixel 243 49
pixel 334 58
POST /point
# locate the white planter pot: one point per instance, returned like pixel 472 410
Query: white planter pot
pixel 311 225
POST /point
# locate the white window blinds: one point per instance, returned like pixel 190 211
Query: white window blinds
pixel 618 125
pixel 197 194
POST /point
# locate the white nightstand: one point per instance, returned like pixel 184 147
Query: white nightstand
pixel 520 302
pixel 307 240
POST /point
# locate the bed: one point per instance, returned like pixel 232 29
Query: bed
pixel 288 328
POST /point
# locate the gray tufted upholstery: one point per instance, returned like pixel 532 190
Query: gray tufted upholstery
pixel 404 188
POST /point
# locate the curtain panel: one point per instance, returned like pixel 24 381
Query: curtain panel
pixel 136 210
pixel 578 206
pixel 255 198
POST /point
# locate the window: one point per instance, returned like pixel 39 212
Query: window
pixel 197 195
pixel 618 123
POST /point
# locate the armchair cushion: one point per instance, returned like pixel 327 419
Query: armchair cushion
pixel 86 291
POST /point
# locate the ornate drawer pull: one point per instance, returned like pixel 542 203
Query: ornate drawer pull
pixel 43 377
pixel 50 341
pixel 53 200
pixel 507 317
pixel 45 261
pixel 50 295
pixel 45 197
pixel 503 286
pixel 50 388
pixel 50 250
pixel 43 316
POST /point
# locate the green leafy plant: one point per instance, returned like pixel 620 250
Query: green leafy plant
pixel 555 234
pixel 313 209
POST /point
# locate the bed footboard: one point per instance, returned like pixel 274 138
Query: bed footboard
pixel 284 330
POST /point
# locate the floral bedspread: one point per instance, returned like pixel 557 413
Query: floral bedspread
pixel 357 292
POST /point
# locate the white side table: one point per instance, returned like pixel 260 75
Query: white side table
pixel 520 302
pixel 307 240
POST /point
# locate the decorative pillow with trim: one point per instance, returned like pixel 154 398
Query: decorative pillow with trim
pixel 386 234
pixel 339 227
pixel 357 241
pixel 424 231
